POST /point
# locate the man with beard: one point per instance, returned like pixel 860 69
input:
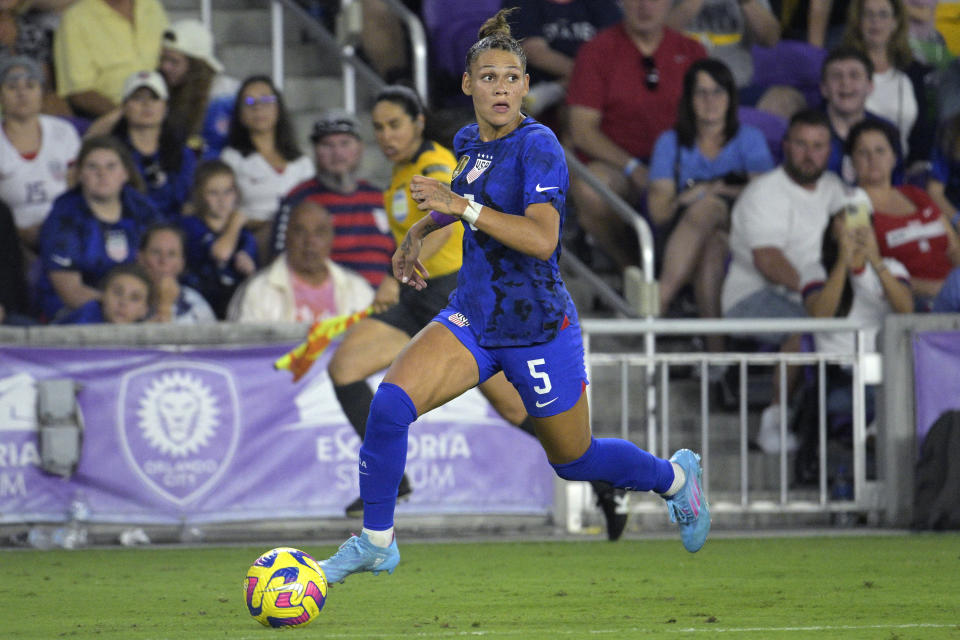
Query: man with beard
pixel 776 231
pixel 361 232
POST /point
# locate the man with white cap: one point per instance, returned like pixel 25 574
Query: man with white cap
pixel 101 42
pixel 201 96
pixel 157 149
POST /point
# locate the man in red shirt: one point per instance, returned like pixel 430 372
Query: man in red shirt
pixel 623 93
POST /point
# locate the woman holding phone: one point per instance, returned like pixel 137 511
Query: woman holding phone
pixel 855 282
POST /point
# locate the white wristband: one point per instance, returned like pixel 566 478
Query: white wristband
pixel 472 212
pixel 631 166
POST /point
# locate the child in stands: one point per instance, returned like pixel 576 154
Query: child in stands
pixel 221 253
pixel 126 299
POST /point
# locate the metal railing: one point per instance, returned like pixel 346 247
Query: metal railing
pixel 345 42
pixel 656 434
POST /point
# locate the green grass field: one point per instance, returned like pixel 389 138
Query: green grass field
pixel 887 587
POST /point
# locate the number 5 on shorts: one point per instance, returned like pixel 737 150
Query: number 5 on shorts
pixel 540 375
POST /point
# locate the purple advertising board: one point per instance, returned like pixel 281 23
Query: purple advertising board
pixel 217 435
pixel 936 366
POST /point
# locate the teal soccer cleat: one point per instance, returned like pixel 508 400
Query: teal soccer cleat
pixel 688 507
pixel 359 554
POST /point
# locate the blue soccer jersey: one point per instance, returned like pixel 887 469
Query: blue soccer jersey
pixel 511 298
pixel 73 239
pixel 215 281
pixel 167 191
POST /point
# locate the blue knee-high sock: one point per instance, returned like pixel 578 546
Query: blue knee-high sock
pixel 622 464
pixel 383 454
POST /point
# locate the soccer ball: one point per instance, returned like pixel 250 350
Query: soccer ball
pixel 285 588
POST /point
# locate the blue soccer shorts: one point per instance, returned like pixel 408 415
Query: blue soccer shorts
pixel 550 376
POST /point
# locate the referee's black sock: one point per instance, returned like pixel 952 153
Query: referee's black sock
pixel 355 399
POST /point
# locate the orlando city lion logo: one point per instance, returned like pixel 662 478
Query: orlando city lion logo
pixel 179 424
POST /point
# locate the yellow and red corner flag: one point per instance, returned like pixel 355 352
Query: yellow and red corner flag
pixel 299 360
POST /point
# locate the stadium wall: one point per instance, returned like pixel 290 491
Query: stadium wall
pixel 898 410
pixel 193 425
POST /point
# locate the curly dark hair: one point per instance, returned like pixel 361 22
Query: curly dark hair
pixel 888 130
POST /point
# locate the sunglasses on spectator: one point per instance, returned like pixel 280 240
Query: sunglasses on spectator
pixel 255 100
pixel 652 79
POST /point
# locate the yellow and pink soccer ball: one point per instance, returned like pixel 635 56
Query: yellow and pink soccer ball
pixel 285 588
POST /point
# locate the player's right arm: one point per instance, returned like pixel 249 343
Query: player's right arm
pixel 407 265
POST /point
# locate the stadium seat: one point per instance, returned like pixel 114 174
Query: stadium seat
pixel 772 126
pixel 792 63
pixel 451 28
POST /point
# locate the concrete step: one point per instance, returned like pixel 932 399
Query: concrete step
pixel 300 59
pixel 310 94
pixel 763 470
pixel 251 26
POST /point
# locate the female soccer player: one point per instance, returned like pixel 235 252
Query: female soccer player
pixel 372 344
pixel 510 312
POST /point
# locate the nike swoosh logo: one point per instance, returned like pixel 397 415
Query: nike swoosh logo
pixel 542 189
pixel 539 404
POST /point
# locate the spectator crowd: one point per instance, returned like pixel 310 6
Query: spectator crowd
pixel 130 161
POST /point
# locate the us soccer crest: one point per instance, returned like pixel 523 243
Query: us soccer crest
pixel 483 161
pixel 116 245
pixel 179 423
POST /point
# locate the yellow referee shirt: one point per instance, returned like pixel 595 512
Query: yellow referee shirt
pixel 432 161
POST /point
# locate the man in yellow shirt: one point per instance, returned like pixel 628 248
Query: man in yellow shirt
pixel 101 42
